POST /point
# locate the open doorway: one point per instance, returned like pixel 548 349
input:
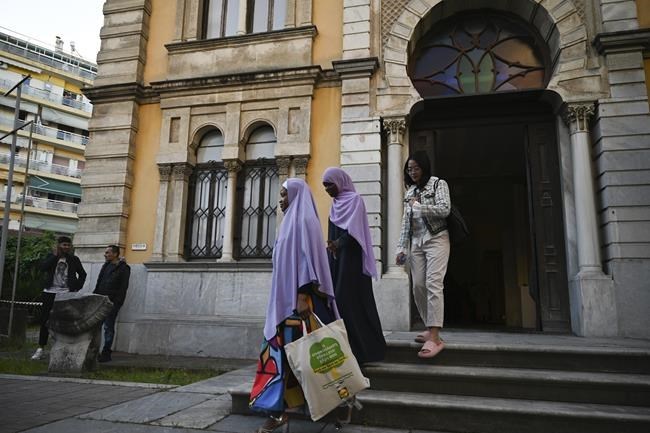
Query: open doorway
pixel 503 173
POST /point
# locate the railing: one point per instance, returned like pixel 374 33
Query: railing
pixel 45 167
pixel 41 203
pixel 35 52
pixel 44 94
pixel 49 132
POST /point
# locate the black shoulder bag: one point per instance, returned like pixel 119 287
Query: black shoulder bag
pixel 456 226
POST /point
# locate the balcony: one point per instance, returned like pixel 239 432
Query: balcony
pixel 41 166
pixel 49 96
pixel 48 132
pixel 41 203
pixel 35 52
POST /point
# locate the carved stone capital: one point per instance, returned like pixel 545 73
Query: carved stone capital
pixel 578 115
pixel 182 172
pixel 395 128
pixel 232 165
pixel 283 163
pixel 300 164
pixel 165 171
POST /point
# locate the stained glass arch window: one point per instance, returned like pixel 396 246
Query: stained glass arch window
pixel 478 52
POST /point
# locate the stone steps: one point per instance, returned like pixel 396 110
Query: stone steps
pixel 455 413
pixel 530 384
pixel 503 383
pixel 543 356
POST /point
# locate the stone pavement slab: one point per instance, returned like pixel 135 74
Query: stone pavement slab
pixel 201 415
pixel 27 402
pixel 149 408
pixel 76 425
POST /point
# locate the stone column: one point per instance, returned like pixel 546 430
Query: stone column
pixel 176 213
pixel 300 166
pixel 158 252
pixel 593 303
pixel 233 166
pixel 577 117
pixel 395 128
pixel 241 25
pixel 284 164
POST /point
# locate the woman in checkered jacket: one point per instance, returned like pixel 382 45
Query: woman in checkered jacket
pixel 424 246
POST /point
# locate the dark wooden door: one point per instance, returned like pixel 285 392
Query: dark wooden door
pixel 548 271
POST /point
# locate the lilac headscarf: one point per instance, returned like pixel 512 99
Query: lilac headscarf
pixel 299 257
pixel 348 212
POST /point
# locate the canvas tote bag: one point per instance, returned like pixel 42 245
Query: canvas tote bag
pixel 328 372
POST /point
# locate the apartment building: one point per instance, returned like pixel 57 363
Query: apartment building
pixel 52 98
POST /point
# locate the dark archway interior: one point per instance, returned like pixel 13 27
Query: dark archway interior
pixel 479 144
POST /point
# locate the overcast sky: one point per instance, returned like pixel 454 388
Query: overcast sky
pixel 41 21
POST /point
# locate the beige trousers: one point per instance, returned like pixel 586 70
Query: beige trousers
pixel 428 265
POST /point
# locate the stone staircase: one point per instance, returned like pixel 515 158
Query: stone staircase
pixel 508 383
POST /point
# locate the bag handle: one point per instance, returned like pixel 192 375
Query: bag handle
pixel 304 326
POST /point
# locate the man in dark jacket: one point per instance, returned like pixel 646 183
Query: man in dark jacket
pixel 63 273
pixel 113 281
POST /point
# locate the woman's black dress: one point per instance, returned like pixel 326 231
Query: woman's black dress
pixel 354 297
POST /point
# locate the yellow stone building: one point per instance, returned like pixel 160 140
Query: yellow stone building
pixel 52 98
pixel 535 111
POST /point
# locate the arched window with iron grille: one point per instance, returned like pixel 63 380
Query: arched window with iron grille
pixel 207 204
pixel 258 190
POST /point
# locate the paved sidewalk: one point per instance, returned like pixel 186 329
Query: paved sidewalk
pixel 61 405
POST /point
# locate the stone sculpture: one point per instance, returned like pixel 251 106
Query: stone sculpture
pixel 75 323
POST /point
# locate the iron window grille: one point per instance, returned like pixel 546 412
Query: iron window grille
pixel 207 211
pixel 258 190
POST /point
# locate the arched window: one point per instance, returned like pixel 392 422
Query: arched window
pixel 207 204
pixel 221 17
pixel 478 52
pixel 259 192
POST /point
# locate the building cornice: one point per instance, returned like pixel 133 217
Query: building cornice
pixel 624 41
pixel 350 68
pixel 307 74
pixel 121 92
pixel 239 40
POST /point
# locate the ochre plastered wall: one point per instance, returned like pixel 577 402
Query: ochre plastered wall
pixel 325 145
pixel 162 22
pixel 327 16
pixel 144 196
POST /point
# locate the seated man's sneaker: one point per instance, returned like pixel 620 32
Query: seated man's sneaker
pixel 38 354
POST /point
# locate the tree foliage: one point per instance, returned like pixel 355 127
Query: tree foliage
pixel 33 249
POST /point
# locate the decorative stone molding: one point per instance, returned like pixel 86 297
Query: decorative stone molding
pixel 182 172
pixel 624 41
pixel 356 67
pixel 283 163
pixel 390 12
pixel 394 129
pixel 300 164
pixel 165 171
pixel 577 116
pixel 232 165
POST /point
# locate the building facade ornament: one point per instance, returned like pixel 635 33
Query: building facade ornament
pixel 394 129
pixel 300 164
pixel 232 165
pixel 577 116
pixel 283 163
pixel 165 171
pixel 182 172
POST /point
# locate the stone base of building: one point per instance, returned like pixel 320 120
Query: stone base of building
pixel 593 305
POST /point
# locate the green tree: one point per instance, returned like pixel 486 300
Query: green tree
pixel 33 249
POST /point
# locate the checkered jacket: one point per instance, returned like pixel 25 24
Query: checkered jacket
pixel 436 205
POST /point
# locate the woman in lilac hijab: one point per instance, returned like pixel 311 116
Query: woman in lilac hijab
pixel 300 284
pixel 352 263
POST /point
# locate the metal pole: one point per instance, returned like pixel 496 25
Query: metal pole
pixel 20 232
pixel 10 178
